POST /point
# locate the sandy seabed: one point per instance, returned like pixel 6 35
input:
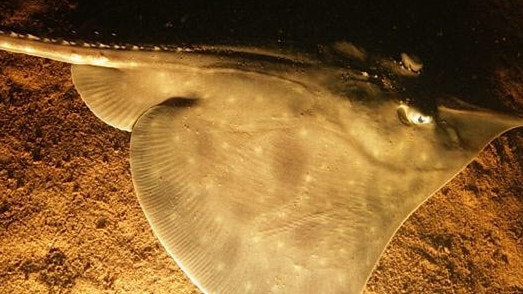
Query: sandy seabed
pixel 70 223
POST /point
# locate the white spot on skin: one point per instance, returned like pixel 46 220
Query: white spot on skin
pixel 300 90
pixel 209 186
pixel 28 49
pixel 297 268
pixel 280 244
pixel 303 133
pixel 31 37
pixel 308 178
pixel 342 278
pixel 258 150
pixel 256 238
pixel 220 266
pixel 75 58
pixel 100 60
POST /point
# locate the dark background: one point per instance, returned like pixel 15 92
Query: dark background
pixel 461 42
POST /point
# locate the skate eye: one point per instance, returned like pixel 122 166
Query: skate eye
pixel 411 116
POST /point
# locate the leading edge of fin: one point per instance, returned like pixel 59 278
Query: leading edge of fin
pixel 113 95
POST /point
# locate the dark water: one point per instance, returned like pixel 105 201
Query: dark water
pixel 456 39
pixel 461 42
